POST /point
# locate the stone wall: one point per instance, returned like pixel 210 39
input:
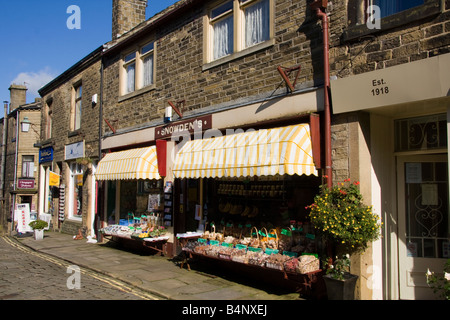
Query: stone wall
pixel 181 73
pixel 61 100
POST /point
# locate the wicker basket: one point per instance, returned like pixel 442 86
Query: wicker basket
pixel 254 241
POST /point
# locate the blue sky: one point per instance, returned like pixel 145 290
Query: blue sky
pixel 37 45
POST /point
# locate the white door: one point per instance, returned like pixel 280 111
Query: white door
pixel 423 221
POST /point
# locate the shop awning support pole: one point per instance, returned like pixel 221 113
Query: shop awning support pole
pixel 320 7
pixel 201 201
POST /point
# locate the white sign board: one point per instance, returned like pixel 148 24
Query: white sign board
pixel 22 216
pixel 74 151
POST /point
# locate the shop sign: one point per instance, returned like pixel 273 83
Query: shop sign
pixel 74 151
pixel 46 155
pixel 23 217
pixel 406 83
pixel 53 179
pixel 25 184
pixel 180 127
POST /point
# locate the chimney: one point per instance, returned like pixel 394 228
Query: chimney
pixel 126 15
pixel 18 96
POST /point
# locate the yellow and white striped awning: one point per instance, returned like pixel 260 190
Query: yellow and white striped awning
pixel 286 150
pixel 131 164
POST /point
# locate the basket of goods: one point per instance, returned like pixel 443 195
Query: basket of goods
pixel 276 261
pixel 239 255
pixel 191 245
pixel 308 263
pixel 291 264
pixel 212 251
pixel 201 249
pixel 212 234
pixel 264 238
pixel 257 258
pixel 272 242
pixel 285 240
pixel 225 252
pixel 254 238
pixel 229 239
pixel 220 235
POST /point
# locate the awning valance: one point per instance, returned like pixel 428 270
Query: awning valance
pixel 285 150
pixel 133 164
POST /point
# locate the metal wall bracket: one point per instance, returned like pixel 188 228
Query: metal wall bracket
pixel 177 107
pixel 286 72
pixel 110 125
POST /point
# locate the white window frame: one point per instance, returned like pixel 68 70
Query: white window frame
pixel 136 57
pixel 77 106
pixel 75 169
pixel 27 166
pixel 239 29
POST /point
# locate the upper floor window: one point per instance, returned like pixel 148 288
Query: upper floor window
pixel 387 15
pixel 27 166
pixel 236 25
pixel 138 69
pixel 77 106
pixel 390 7
pixel 49 119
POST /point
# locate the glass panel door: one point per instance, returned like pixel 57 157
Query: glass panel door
pixel 423 221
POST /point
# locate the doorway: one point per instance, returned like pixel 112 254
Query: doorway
pixel 423 221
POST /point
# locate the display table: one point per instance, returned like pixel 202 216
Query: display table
pixel 310 284
pixel 183 239
pixel 155 243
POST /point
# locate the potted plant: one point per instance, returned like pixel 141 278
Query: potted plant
pixel 38 227
pixel 346 223
pixel 440 284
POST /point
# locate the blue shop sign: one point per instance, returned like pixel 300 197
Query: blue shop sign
pixel 46 155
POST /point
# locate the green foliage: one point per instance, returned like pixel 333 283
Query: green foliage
pixel 341 217
pixel 339 268
pixel 38 224
pixel 440 285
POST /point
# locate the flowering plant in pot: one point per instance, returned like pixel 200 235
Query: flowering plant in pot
pixel 342 219
pixel 38 227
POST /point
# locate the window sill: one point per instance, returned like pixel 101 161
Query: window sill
pixel 74 133
pixel 137 93
pixel 429 9
pixel 238 55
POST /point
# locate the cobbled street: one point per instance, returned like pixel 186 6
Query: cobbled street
pixel 28 275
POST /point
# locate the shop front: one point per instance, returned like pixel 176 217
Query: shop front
pixel 404 164
pixel 242 195
pixel 135 198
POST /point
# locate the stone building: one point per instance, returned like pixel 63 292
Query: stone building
pixel 69 145
pixel 20 155
pixel 386 67
pixel 171 63
pixel 228 68
pixel 390 98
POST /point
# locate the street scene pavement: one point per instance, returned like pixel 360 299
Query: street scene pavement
pixel 61 268
pixel 29 275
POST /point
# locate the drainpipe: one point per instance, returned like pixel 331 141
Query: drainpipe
pixel 97 220
pixel 2 174
pixel 13 208
pixel 319 6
